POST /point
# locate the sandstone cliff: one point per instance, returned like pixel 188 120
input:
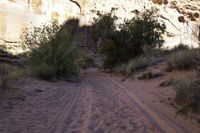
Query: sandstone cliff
pixel 182 17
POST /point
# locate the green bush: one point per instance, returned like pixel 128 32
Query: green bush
pixel 50 51
pixel 188 94
pixel 184 59
pixel 115 54
pixel 44 71
pixel 119 46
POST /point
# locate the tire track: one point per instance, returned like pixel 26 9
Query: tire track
pixel 79 117
pixel 58 124
pixel 166 123
pixel 115 113
pixel 150 122
pixel 89 108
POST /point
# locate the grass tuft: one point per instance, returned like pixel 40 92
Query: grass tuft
pixel 188 94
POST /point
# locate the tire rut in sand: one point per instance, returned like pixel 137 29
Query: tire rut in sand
pixel 79 118
pixel 64 113
pixel 113 112
pixel 88 108
pixel 158 115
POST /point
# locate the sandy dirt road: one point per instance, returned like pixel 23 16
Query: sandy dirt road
pixel 99 103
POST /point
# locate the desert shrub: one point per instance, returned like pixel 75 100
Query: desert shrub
pixel 85 60
pixel 50 51
pixel 150 75
pixel 168 83
pixel 179 47
pixel 4 69
pixel 44 71
pixel 7 74
pixel 119 46
pixel 167 52
pixel 114 53
pixel 184 59
pixel 4 75
pixel 134 65
pixel 152 52
pixel 120 69
pixel 188 94
pixel 147 75
pixel 137 64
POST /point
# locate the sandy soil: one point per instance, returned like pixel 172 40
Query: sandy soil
pixel 99 103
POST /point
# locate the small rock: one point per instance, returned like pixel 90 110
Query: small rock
pixel 181 19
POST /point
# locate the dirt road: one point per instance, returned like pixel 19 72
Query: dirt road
pixel 98 104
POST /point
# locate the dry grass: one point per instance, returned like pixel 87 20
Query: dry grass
pixel 134 65
pixel 185 59
pixel 188 94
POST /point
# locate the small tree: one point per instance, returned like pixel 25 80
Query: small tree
pixel 104 26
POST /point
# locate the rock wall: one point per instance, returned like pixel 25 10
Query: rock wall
pixel 182 17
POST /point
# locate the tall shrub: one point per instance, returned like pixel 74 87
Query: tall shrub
pixel 119 46
pixel 50 51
